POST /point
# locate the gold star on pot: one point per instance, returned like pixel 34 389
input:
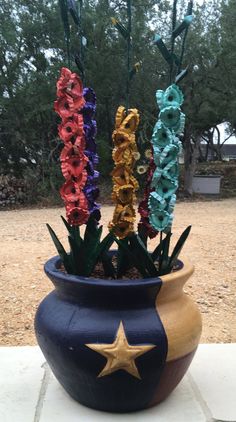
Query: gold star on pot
pixel 120 354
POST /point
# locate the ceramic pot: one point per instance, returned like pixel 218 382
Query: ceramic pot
pixel 118 345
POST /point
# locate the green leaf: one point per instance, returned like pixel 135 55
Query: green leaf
pixel 133 259
pixel 74 232
pixel 108 267
pixel 164 267
pixel 182 26
pixel 105 244
pixel 68 226
pixel 64 16
pixel 73 11
pixel 61 251
pixel 179 245
pixel 90 248
pixel 122 259
pixel 143 255
pixel 176 59
pixel 79 63
pixel 121 28
pixel 157 252
pixel 75 256
pixel 189 8
pixel 142 232
pixel 163 49
pixel 181 75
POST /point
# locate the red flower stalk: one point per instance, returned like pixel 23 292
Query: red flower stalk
pixel 76 216
pixel 143 206
pixel 73 159
pixel 71 128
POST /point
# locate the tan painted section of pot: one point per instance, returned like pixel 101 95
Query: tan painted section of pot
pixel 179 315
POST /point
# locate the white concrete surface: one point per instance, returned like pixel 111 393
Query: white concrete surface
pixel 30 393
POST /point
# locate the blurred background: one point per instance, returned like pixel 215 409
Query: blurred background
pixel 33 50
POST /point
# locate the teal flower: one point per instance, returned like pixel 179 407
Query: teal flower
pixel 159 97
pixel 162 136
pixel 156 202
pixel 167 229
pixel 171 170
pixel 166 187
pixel 170 117
pixel 160 219
pixel 179 127
pixel 169 153
pixel 156 155
pixel 171 204
pixel 173 97
pixel 156 177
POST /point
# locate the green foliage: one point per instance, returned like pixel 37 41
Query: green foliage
pixel 33 50
pixel 87 251
pixel 84 252
pixel 175 61
pixel 132 252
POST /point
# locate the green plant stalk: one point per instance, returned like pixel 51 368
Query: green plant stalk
pixel 172 37
pixel 189 12
pixel 128 53
pixel 80 40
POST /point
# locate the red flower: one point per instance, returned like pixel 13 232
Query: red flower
pixel 63 107
pixel 77 103
pixel 71 127
pixel 80 143
pixel 76 215
pixel 143 209
pixel 72 150
pixel 150 231
pixel 74 166
pixel 63 81
pixel 69 83
pixel 71 192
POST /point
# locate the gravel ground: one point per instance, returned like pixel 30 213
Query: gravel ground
pixel 25 246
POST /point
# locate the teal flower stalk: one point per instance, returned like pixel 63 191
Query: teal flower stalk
pixel 166 148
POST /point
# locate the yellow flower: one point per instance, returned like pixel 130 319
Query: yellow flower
pixel 131 122
pixel 125 194
pixel 120 116
pixel 124 156
pixel 122 139
pixel 124 213
pixel 148 153
pixel 134 182
pixel 121 174
pixel 141 169
pixel 122 229
pixel 128 214
pixel 136 155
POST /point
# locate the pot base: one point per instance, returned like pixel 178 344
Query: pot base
pixel 172 374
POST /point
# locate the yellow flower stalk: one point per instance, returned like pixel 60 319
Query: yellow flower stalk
pixel 124 183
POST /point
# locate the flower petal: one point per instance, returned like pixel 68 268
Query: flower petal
pixel 173 96
pixel 170 116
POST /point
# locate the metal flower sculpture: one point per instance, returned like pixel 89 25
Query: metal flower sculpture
pixel 157 207
pixel 76 106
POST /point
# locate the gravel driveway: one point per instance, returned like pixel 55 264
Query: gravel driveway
pixel 25 246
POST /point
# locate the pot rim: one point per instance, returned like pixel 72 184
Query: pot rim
pixel 51 268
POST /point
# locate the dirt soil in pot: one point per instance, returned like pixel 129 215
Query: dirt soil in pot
pixel 26 245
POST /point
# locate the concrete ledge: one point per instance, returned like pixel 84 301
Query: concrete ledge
pixel 30 393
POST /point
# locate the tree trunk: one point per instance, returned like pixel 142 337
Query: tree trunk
pixel 191 153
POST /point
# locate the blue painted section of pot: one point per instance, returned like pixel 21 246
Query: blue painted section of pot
pixel 82 311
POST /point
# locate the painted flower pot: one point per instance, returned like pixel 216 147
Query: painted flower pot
pixel 118 345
